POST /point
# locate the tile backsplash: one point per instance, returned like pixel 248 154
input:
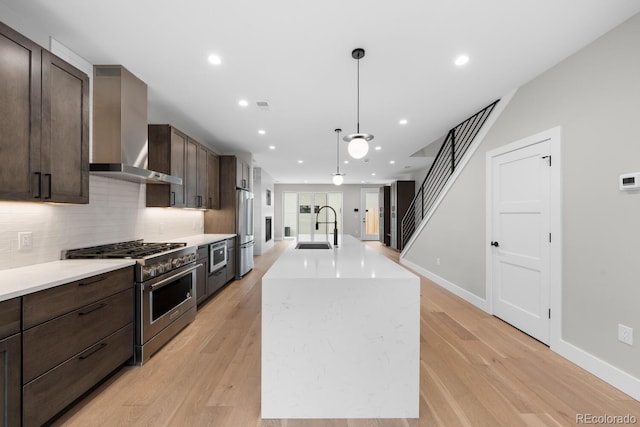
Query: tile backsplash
pixel 116 212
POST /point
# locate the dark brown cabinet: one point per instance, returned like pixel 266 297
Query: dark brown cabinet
pixel 213 180
pixel 202 273
pixel 202 178
pixel 173 152
pixel 223 219
pixel 10 363
pixel 167 154
pixel 73 336
pixel 385 215
pixel 402 193
pixel 44 124
pixel 191 175
pixel 230 269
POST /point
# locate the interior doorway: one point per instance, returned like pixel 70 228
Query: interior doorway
pixel 369 214
pixel 521 212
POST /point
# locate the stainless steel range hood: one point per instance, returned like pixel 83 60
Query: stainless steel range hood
pixel 120 147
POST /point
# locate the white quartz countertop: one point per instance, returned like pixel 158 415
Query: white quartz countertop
pixel 202 239
pixel 16 282
pixel 351 259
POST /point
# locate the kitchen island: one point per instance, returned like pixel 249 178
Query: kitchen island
pixel 340 335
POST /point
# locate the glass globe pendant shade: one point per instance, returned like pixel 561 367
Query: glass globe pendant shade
pixel 358 147
pixel 338 179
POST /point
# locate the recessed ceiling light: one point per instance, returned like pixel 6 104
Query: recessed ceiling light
pixel 461 60
pixel 346 162
pixel 300 161
pixel 262 131
pixel 392 162
pixel 378 148
pixel 243 103
pixel 215 59
pixel 272 147
pixel 403 122
pixel 373 174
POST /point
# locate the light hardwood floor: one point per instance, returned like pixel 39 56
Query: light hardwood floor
pixel 475 371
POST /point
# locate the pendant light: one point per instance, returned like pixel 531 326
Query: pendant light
pixel 338 178
pixel 358 142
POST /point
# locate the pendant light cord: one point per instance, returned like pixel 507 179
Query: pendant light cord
pixel 338 151
pixel 358 104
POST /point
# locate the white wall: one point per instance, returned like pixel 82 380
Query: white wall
pixel 116 212
pixel 262 182
pixel 594 96
pixel 350 200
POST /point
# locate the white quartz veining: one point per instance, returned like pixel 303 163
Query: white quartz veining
pixel 340 335
pixel 20 281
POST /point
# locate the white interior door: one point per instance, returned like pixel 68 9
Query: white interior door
pixel 520 238
pixel 370 217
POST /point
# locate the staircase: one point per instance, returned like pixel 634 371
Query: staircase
pixel 453 149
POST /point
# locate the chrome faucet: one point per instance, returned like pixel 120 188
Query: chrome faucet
pixel 335 223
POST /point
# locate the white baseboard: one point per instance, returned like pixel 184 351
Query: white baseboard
pixel 605 371
pixel 608 373
pixel 451 287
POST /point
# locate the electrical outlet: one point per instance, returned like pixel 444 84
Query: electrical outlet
pixel 625 334
pixel 25 241
pixel 438 261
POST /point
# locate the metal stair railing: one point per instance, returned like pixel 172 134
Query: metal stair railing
pixel 451 152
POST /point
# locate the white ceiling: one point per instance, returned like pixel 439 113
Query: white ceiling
pixel 296 55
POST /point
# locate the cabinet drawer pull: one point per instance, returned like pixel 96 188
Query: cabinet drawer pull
pixel 99 279
pixel 94 351
pixel 172 201
pixel 39 179
pixel 48 175
pixel 91 310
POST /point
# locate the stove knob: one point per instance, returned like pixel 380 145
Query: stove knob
pixel 160 268
pixel 176 263
pixel 148 272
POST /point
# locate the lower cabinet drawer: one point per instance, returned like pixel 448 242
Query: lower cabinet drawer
pixel 217 279
pixel 49 394
pixel 9 317
pixel 51 343
pixel 50 303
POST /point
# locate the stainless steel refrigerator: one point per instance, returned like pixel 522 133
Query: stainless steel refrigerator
pixel 244 230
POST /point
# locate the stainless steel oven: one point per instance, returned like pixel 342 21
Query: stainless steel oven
pixel 165 295
pixel 217 255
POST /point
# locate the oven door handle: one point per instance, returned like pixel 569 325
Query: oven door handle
pixel 166 281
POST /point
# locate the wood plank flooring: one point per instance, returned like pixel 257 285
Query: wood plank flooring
pixel 475 371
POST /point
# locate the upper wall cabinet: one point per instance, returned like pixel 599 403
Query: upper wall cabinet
pixel 174 153
pixel 44 124
pixel 213 180
pixel 167 154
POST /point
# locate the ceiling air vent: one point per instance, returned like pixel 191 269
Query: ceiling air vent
pixel 262 105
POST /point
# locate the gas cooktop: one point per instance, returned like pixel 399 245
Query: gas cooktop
pixel 134 249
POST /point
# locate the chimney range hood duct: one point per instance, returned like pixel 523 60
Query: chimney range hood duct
pixel 120 147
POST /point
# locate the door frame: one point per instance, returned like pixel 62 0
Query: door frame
pixel 553 135
pixel 363 211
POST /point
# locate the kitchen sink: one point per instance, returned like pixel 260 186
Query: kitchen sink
pixel 313 245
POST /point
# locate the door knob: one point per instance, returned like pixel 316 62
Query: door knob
pixel 496 244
